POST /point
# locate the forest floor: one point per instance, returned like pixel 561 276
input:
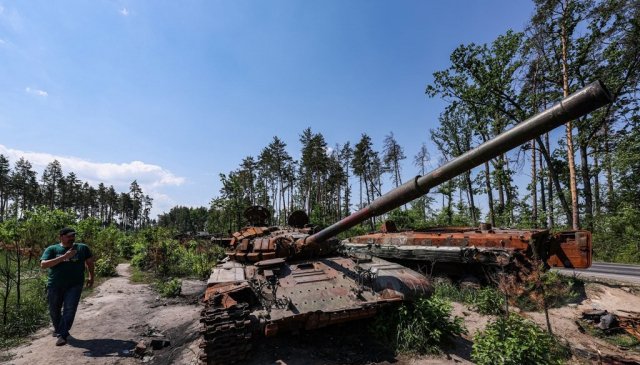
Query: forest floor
pixel 122 314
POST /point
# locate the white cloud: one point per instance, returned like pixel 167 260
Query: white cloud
pixel 125 12
pixel 1 9
pixel 149 177
pixel 328 151
pixel 1 41
pixel 44 94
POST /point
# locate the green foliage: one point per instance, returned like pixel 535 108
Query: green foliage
pixel 464 294
pixel 317 216
pixel 125 245
pixel 139 276
pixel 155 250
pixel 31 313
pixel 405 219
pixel 184 219
pixel 170 289
pixel 617 235
pixel 425 327
pixel 487 300
pixel 514 340
pixel 88 230
pixel 39 227
pixel 490 301
pixel 106 266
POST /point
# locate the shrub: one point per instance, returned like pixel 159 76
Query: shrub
pixel 171 288
pixel 514 340
pixel 106 266
pixel 424 327
pixel 125 246
pixel 490 301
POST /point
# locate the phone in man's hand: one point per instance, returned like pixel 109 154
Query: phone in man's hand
pixel 74 247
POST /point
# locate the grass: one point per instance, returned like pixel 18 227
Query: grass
pixel 141 277
pixel 485 301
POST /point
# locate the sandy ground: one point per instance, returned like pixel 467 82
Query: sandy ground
pixel 121 314
pixel 109 324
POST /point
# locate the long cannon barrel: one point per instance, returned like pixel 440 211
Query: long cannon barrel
pixel 576 105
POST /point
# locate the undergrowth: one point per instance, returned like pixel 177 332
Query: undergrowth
pixel 422 327
pixel 171 288
pixel 514 340
pixel 487 300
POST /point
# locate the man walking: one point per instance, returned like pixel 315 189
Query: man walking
pixel 66 262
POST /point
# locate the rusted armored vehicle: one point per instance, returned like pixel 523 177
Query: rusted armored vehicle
pixel 472 254
pixel 292 278
pixel 274 281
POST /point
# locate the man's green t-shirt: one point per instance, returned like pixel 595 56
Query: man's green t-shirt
pixel 69 272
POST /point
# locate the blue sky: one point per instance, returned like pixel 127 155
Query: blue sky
pixel 174 93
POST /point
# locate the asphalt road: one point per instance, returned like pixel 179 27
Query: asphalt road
pixel 599 270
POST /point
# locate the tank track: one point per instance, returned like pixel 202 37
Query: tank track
pixel 226 332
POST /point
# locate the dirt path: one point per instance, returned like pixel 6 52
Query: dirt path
pixel 109 324
pixel 121 314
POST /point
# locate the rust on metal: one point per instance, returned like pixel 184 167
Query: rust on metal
pixel 474 245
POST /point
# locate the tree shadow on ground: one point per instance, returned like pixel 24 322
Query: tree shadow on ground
pixel 103 347
pixel 463 348
pixel 347 343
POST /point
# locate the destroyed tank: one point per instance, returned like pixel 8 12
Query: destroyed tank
pixel 471 255
pixel 274 281
pixel 292 278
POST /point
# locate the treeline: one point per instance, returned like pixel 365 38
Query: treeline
pixel 587 179
pixel 22 191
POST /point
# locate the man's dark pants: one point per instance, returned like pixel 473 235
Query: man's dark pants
pixel 63 303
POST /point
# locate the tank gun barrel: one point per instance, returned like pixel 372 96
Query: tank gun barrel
pixel 576 105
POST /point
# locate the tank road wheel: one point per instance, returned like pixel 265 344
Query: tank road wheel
pixel 226 333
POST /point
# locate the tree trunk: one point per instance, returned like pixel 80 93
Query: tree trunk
pixel 489 194
pixel 472 206
pixel 543 198
pixel 549 183
pixel 556 182
pixel 500 188
pixel 586 181
pixel 596 184
pixel 607 160
pixel 534 186
pixel 510 198
pixel 570 154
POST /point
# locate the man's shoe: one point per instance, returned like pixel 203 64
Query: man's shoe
pixel 61 341
pixel 55 334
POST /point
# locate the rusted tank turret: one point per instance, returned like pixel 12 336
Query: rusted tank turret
pixel 293 278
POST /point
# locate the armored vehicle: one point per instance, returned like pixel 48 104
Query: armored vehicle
pixel 472 254
pixel 273 281
pixel 292 278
